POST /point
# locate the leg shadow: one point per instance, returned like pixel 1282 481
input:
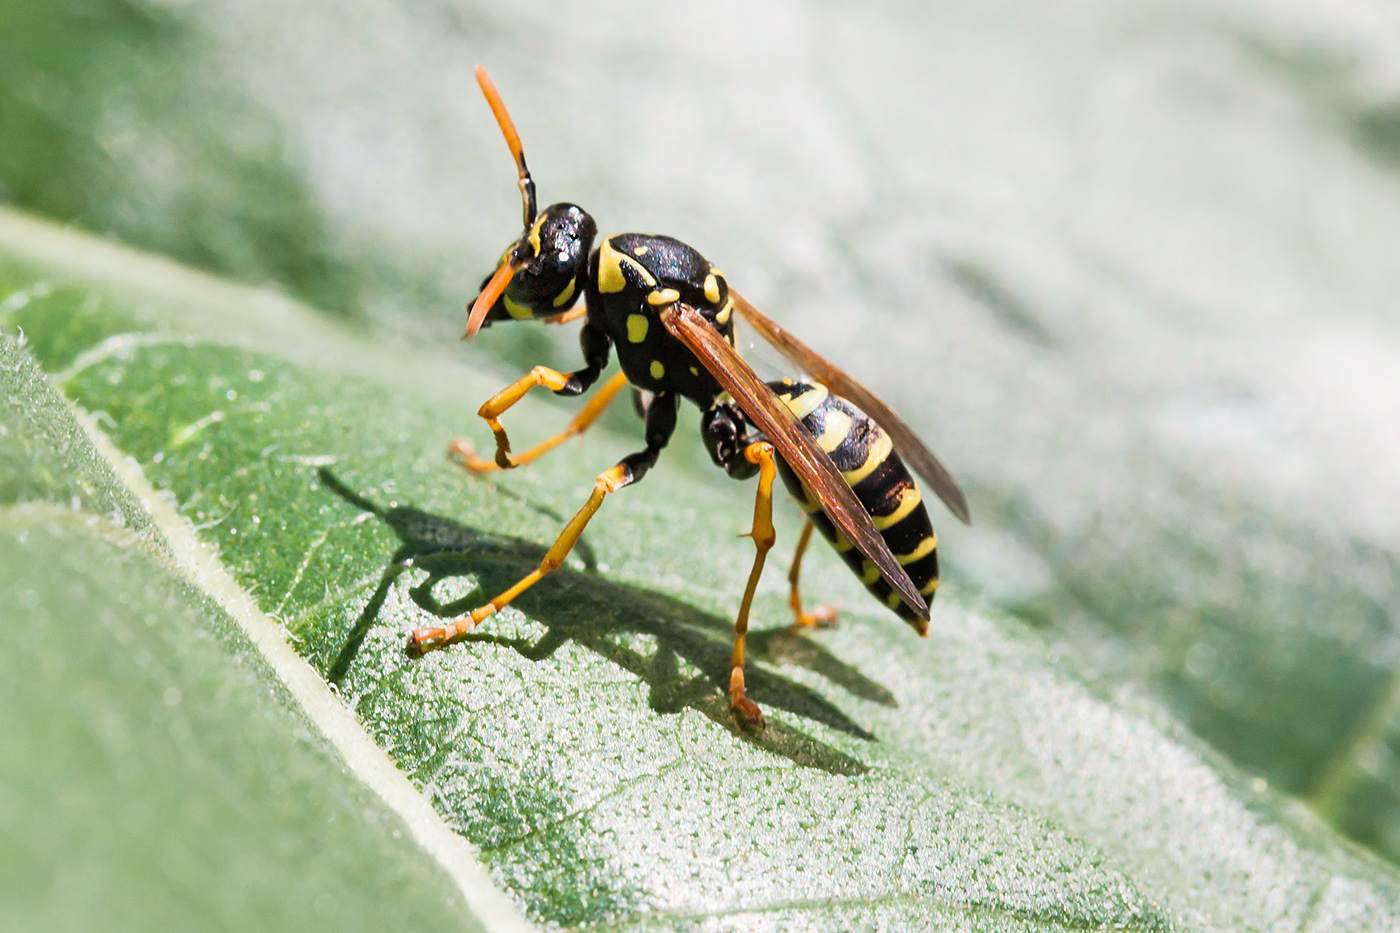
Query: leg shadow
pixel 593 612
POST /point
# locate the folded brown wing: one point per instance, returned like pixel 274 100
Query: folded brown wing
pixel 793 444
pixel 906 442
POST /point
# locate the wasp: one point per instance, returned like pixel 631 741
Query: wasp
pixel 669 313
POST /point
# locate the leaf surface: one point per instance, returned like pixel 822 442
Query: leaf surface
pixel 580 739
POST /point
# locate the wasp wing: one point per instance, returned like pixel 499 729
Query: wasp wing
pixel 910 448
pixel 793 443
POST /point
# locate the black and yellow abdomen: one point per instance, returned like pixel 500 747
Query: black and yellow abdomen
pixel 862 451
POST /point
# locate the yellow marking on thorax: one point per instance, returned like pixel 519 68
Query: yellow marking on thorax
pixel 880 448
pixel 711 288
pixel 637 327
pixel 663 296
pixel 519 312
pixel 805 403
pixel 640 250
pixel 610 277
pixel 907 503
pixel 567 294
pixel 657 370
pixel 925 548
pixel 694 371
pixel 724 314
pixel 836 429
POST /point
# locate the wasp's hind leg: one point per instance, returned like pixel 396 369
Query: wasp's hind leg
pixel 661 422
pixel 821 615
pixel 746 711
pixel 462 451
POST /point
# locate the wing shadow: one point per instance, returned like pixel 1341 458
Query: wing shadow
pixel 592 612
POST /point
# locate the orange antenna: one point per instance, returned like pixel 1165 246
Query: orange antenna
pixel 487 299
pixel 498 107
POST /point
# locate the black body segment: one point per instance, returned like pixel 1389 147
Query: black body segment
pixel 631 278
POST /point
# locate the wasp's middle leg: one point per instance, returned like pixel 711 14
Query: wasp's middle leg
pixel 661 422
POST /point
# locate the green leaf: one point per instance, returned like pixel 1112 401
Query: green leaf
pixel 154 772
pixel 580 739
pixel 1129 270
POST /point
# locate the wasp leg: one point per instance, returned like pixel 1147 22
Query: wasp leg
pixel 624 474
pixel 462 450
pixel 573 314
pixel 822 615
pixel 661 422
pixel 745 710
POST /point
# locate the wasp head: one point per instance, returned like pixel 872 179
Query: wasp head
pixel 540 274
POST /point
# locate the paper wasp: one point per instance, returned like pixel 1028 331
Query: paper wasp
pixel 669 314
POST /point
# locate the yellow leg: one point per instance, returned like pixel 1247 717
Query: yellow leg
pixel 424 639
pixel 499 403
pixel 822 615
pixel 745 710
pixel 467 456
pixel 573 314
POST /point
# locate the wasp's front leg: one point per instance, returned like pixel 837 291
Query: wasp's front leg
pixel 596 346
pixel 462 450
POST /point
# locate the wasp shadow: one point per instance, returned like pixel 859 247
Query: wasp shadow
pixel 598 614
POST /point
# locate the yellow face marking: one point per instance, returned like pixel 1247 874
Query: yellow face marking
pixel 637 326
pixel 663 296
pixel 880 448
pixel 928 588
pixel 869 573
pixel 640 251
pixel 567 294
pixel 925 548
pixel 907 503
pixel 711 288
pixel 519 312
pixel 804 404
pixel 836 429
pixel 657 370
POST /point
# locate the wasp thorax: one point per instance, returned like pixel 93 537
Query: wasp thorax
pixel 552 258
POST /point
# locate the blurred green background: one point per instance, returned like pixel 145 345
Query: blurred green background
pixel 1130 269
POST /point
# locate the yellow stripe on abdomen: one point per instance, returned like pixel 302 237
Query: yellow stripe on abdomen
pixel 909 500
